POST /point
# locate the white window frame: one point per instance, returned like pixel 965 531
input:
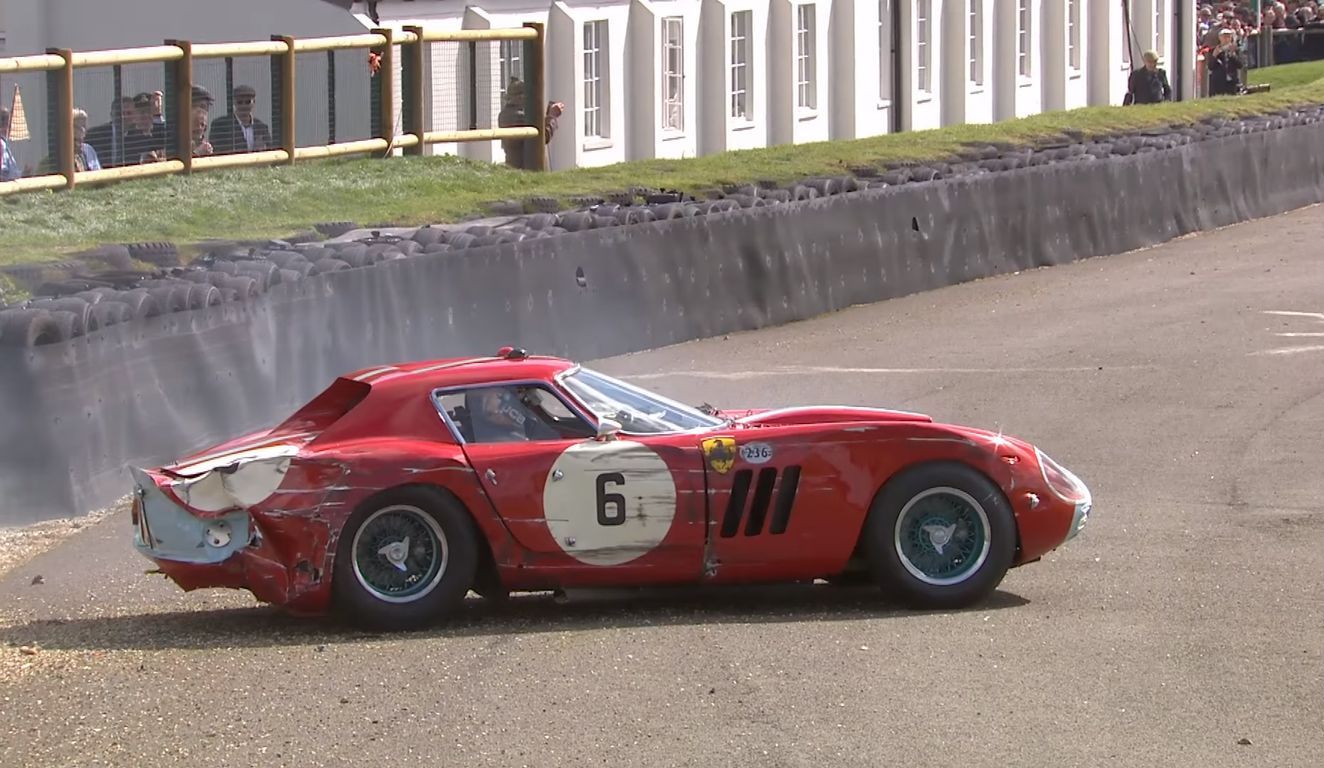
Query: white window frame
pixel 741 106
pixel 510 63
pixel 596 114
pixel 1159 28
pixel 806 57
pixel 885 62
pixel 673 74
pixel 924 47
pixel 975 40
pixel 1073 35
pixel 1024 39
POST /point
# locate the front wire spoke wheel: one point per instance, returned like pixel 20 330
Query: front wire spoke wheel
pixel 942 536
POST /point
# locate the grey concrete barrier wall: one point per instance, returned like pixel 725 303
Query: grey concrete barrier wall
pixel 76 413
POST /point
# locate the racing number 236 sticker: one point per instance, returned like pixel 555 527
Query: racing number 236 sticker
pixel 756 453
pixel 609 503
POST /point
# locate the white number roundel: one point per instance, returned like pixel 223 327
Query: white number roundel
pixel 608 503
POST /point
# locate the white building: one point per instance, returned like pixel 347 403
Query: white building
pixel 678 78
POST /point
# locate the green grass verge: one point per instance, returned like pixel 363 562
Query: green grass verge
pixel 276 202
pixel 1288 75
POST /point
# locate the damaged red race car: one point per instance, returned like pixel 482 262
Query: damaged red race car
pixel 398 490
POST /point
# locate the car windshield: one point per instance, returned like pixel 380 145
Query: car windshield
pixel 638 411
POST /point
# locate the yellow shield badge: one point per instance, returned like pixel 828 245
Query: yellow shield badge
pixel 720 453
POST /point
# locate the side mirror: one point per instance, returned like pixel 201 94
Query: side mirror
pixel 607 429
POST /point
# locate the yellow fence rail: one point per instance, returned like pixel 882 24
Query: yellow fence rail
pixel 385 45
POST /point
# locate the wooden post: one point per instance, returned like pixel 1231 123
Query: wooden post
pixel 386 90
pixel 412 91
pixel 183 98
pixel 536 85
pixel 283 100
pixel 63 79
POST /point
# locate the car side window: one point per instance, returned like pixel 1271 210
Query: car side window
pixel 512 413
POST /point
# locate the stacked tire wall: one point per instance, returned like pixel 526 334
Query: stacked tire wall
pixel 267 331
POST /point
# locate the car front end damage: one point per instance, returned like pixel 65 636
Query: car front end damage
pixel 254 522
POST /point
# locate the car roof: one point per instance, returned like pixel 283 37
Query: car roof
pixel 426 375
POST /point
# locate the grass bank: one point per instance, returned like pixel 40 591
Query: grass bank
pixel 276 202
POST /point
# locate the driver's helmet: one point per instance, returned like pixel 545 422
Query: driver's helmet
pixel 494 412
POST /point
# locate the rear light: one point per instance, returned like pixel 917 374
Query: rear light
pixel 1060 480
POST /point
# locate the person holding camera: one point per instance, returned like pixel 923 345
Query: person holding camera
pixel 1225 64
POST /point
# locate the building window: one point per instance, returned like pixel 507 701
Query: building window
pixel 511 57
pixel 595 85
pixel 976 35
pixel 884 50
pixel 741 26
pixel 806 84
pixel 673 73
pixel 1073 34
pixel 923 71
pixel 1159 27
pixel 1023 61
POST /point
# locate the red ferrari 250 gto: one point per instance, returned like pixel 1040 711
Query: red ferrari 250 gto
pixel 399 489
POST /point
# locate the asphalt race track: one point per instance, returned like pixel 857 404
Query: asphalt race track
pixel 1185 384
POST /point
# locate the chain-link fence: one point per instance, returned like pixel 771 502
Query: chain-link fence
pixel 181 107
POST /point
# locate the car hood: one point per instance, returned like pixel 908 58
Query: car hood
pixel 820 414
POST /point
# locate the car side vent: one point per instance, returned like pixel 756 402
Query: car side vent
pixel 781 515
pixel 763 499
pixel 735 506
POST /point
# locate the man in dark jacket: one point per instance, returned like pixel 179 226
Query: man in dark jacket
pixel 108 138
pixel 1149 84
pixel 1225 64
pixel 239 131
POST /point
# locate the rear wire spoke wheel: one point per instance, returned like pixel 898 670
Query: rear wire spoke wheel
pixel 405 559
pixel 400 554
pixel 940 536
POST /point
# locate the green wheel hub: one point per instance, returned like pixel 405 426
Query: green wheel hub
pixel 942 536
pixel 400 554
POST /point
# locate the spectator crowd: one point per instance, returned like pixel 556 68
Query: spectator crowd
pixel 137 133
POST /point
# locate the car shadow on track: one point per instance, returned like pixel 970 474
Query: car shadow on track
pixel 264 626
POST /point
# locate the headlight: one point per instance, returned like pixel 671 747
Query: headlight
pixel 1061 481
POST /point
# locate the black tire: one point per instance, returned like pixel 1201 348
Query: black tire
pixel 244 287
pixel 108 313
pixel 284 259
pixel 170 298
pixel 68 323
pixel 139 302
pixel 28 328
pixel 203 296
pixel 158 254
pixel 427 235
pixel 462 240
pixel 969 493
pixel 575 221
pixel 427 512
pixel 80 310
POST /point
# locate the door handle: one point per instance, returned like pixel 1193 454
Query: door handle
pixel 491 477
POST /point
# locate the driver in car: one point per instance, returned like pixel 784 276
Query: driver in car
pixel 498 417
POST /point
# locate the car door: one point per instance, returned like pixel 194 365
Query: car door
pixel 599 511
pixel 786 502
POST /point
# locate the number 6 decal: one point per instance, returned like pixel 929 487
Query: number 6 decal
pixel 616 500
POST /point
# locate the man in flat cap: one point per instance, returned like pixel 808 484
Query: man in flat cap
pixel 239 130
